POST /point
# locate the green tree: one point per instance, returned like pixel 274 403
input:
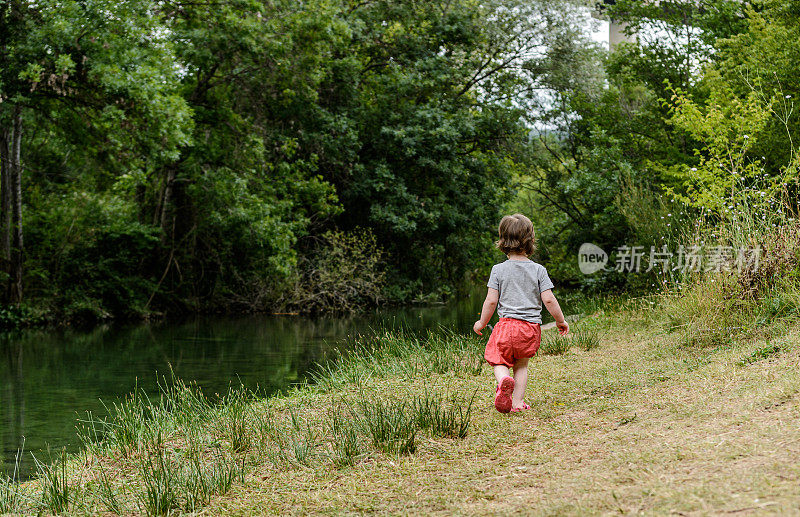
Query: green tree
pixel 606 145
pixel 97 77
pixel 437 117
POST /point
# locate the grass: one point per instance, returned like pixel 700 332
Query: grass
pixel 58 492
pixel 585 338
pixel 760 354
pixel 555 344
pixel 448 419
pixel 160 479
pixel 12 494
pixel 625 419
pixel 390 425
pixel 346 446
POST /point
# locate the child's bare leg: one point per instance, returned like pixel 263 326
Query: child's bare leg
pixel 520 382
pixel 500 371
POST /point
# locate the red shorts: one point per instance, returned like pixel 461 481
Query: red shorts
pixel 511 340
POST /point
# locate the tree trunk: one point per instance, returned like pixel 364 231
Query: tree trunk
pixel 139 199
pixel 166 208
pixel 17 248
pixel 5 199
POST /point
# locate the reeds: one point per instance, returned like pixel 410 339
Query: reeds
pixel 13 497
pixel 390 425
pixel 404 354
pixel 57 488
pixel 346 444
pixel 446 418
pixel 160 480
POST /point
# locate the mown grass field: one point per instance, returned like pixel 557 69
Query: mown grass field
pixel 642 423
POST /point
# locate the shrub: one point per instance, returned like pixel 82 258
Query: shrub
pixel 17 316
pixel 90 256
pixel 779 257
pixel 341 274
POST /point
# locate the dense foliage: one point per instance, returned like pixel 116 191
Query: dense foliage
pixel 686 127
pixel 182 156
pixel 281 155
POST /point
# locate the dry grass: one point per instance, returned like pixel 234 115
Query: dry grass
pixel 641 424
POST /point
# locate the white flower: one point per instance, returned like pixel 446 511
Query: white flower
pixel 788 96
pixel 694 169
pixel 746 136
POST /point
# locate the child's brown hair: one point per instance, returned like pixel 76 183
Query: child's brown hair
pixel 516 235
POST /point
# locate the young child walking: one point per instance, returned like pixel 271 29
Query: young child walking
pixel 518 288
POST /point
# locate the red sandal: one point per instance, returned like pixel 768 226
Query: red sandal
pixel 523 408
pixel 502 399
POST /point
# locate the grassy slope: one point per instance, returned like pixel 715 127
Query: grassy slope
pixel 641 424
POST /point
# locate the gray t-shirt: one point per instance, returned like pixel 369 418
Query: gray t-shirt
pixel 521 284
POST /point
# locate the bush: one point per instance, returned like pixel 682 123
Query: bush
pixel 341 274
pixel 18 316
pixel 780 258
pixel 90 258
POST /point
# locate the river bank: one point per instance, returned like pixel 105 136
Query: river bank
pixel 644 422
pixel 50 379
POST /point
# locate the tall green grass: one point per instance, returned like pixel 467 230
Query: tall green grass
pixel 445 417
pixel 346 443
pixel 59 492
pixel 390 425
pixel 160 479
pixel 585 337
pixel 402 353
pixel 13 496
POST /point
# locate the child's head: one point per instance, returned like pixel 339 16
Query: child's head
pixel 516 235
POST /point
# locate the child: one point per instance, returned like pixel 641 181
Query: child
pixel 521 286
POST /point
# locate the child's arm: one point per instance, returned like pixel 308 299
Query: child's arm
pixel 549 300
pixel 489 306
